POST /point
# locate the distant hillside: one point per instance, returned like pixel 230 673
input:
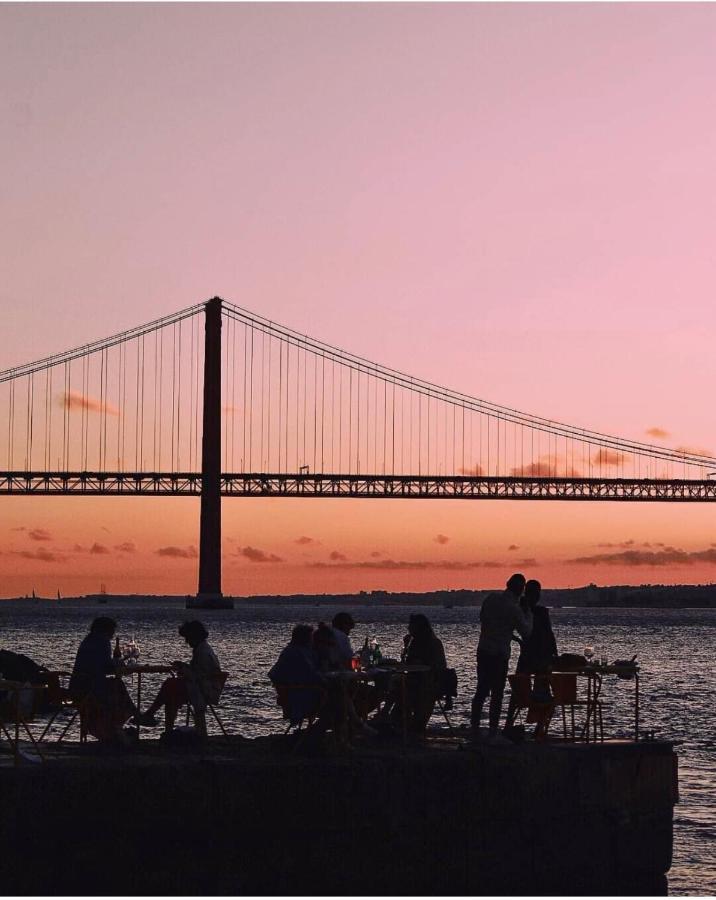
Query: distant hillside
pixel 653 596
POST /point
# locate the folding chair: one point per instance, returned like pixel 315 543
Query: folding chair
pixel 12 713
pixel 283 699
pixel 190 707
pixel 63 701
pixel 564 691
pixel 447 688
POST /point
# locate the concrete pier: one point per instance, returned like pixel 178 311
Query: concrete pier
pixel 254 818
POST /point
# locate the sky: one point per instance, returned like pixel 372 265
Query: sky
pixel 512 200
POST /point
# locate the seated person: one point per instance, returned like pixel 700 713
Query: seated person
pixel 105 701
pixel 324 648
pixel 343 624
pixel 198 682
pixel 422 647
pixel 294 675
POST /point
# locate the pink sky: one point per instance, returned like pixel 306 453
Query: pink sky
pixel 512 200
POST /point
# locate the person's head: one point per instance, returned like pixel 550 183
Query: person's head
pixel 343 621
pixel 104 627
pixel 419 626
pixel 193 632
pixel 516 584
pixel 323 636
pixel 533 589
pixel 301 635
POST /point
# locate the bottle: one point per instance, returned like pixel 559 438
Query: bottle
pixel 377 655
pixel 117 655
pixel 365 655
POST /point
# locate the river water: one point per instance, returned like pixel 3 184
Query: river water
pixel 676 651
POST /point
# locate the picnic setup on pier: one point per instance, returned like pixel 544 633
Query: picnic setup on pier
pixel 352 728
pixel 327 694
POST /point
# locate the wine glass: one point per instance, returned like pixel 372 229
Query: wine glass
pixel 589 653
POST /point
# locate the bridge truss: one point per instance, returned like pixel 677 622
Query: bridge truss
pixel 425 487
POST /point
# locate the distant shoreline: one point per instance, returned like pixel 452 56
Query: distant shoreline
pixel 591 596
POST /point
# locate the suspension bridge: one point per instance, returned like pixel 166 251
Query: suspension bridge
pixel 216 401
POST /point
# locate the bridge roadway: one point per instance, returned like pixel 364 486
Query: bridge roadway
pixel 423 487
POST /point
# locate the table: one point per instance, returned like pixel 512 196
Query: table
pixel 594 675
pixel 123 671
pixel 14 689
pixel 375 673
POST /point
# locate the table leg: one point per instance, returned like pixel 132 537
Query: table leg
pixel 17 726
pixel 404 704
pixel 139 701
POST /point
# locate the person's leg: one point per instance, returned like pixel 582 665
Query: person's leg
pixel 175 695
pixel 498 678
pixel 163 695
pixel 481 694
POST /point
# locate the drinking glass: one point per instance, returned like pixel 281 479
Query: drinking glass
pixel 589 653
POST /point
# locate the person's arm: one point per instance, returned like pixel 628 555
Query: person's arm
pixel 107 664
pixel 522 621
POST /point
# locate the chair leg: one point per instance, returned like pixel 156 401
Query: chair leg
pixel 218 720
pixel 69 725
pixel 48 726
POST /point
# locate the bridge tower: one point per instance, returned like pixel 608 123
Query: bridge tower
pixel 209 595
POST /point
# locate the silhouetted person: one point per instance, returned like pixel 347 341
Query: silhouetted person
pixel 325 648
pixel 104 701
pixel 422 648
pixel 198 682
pixel 294 673
pixel 537 652
pixel 343 624
pixel 539 649
pixel 500 615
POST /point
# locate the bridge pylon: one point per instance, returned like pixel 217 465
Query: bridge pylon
pixel 209 595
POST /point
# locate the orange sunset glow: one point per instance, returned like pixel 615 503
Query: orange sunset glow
pixel 527 220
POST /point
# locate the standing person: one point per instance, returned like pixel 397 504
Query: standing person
pixel 539 648
pixel 500 615
pixel 537 653
pixel 198 682
pixel 343 624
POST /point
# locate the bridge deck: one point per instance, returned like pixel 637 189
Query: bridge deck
pixel 365 486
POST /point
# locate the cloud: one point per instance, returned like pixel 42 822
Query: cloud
pixel 475 472
pixel 669 556
pixel 376 553
pixel 657 432
pixel 530 561
pixel 19 528
pixel 624 545
pixel 258 556
pixel 39 534
pixel 606 457
pixel 401 565
pixel 178 552
pixel 441 539
pixel 692 451
pixel 98 549
pixel 304 540
pixel 75 400
pixel 126 547
pixel 546 467
pixel 336 556
pixel 513 547
pixel 42 555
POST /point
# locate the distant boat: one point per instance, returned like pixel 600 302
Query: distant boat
pixel 58 594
